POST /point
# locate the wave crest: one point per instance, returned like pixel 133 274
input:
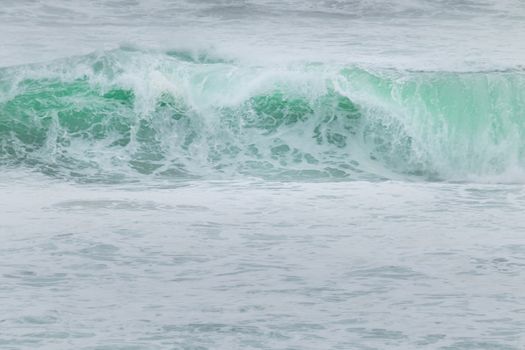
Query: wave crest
pixel 129 113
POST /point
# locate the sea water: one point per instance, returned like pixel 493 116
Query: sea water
pixel 262 174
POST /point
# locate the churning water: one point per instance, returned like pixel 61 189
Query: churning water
pixel 262 174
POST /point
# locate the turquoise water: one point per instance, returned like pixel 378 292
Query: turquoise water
pixel 125 113
pixel 262 175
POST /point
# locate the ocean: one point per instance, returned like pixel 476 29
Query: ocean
pixel 259 174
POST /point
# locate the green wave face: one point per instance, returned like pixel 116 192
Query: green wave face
pixel 126 114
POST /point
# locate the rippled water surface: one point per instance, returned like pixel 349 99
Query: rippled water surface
pixel 262 266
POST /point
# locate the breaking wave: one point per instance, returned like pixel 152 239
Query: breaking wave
pixel 128 113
